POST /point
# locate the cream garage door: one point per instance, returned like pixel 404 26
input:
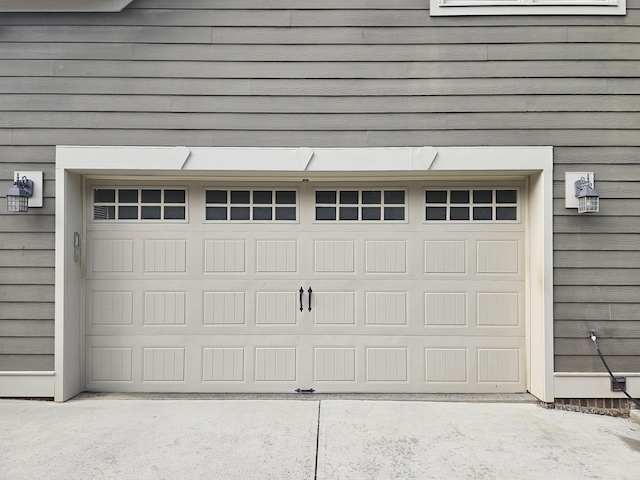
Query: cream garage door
pixel 395 287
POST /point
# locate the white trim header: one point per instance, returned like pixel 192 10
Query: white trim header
pixel 63 5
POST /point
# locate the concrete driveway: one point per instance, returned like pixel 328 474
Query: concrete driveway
pixel 100 438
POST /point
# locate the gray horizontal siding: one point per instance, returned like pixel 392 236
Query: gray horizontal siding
pixel 336 73
pixel 319 104
pixel 26 363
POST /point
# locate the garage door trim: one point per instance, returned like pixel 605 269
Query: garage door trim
pixel 74 163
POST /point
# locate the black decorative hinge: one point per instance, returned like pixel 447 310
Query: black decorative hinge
pixel 300 390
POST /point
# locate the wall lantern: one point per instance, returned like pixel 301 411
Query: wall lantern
pixel 588 198
pixel 580 192
pixel 26 192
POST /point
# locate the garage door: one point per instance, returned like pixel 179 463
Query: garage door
pixel 336 287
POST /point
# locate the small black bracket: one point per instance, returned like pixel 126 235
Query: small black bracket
pixel 300 390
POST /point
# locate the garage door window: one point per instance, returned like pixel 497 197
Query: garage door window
pixel 480 205
pixel 139 204
pixel 360 205
pixel 252 205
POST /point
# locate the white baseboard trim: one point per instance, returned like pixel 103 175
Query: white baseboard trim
pixel 593 385
pixel 27 384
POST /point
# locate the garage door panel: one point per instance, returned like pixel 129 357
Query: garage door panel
pixel 215 306
pixel 344 363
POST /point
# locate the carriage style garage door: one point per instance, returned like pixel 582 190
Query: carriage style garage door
pixel 338 287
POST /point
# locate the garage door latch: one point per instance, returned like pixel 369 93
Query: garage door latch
pixel 300 390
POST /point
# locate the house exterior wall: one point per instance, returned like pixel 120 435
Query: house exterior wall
pixel 350 73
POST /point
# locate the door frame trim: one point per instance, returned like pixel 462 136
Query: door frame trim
pixel 74 163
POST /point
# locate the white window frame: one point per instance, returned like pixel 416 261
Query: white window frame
pixel 273 205
pixel 359 205
pixel 139 204
pixel 527 7
pixel 494 204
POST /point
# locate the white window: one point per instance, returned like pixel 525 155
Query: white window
pixel 471 205
pixel 354 205
pixel 251 205
pixel 527 7
pixel 139 204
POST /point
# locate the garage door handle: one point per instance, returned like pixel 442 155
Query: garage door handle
pixel 301 294
pixel 310 292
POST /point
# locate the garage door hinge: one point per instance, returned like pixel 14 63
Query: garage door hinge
pixel 300 390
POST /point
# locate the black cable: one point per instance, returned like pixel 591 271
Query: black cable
pixel 604 362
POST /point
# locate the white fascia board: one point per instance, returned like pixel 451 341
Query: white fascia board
pixel 63 5
pixel 158 160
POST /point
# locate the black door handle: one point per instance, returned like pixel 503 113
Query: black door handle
pixel 310 292
pixel 301 294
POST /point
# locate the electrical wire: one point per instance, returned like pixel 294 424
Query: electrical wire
pixel 592 333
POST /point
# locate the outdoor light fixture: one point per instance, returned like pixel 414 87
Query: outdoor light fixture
pixel 26 192
pixel 580 192
pixel 18 196
pixel 588 198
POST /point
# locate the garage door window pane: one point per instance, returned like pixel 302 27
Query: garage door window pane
pixel 325 213
pixel 326 197
pixel 286 197
pixel 239 213
pixel 285 213
pixel 174 196
pixel 459 196
pixel 371 197
pixel 151 213
pixel 216 196
pixel 152 196
pixel 128 213
pixel 371 213
pixel 482 213
pixel 394 197
pixel 216 213
pixel 128 196
pixel 482 196
pixel 393 213
pixel 348 213
pixel 506 213
pixel 174 213
pixel 102 212
pixel 506 196
pixel 262 213
pixel 459 213
pixel 436 213
pixel 436 196
pixel 240 196
pixel 104 195
pixel 349 198
pixel 262 198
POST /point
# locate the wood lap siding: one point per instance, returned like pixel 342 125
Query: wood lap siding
pixel 334 73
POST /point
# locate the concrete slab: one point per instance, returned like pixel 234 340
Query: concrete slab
pixel 152 438
pixel 423 440
pixel 146 439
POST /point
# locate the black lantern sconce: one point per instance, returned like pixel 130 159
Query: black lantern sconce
pixel 26 192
